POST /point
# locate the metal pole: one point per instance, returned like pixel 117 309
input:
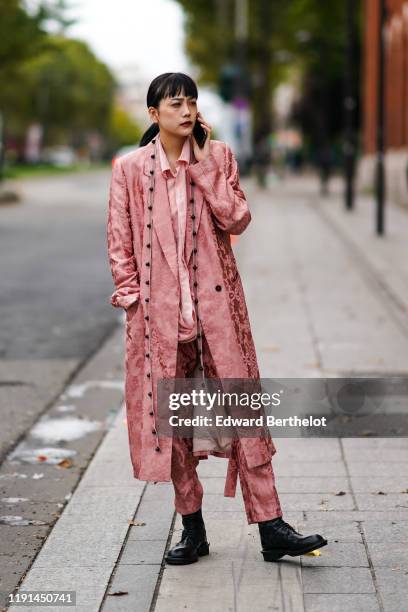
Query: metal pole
pixel 2 147
pixel 349 109
pixel 380 183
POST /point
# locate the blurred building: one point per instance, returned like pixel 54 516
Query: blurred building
pixel 396 97
pixel 132 92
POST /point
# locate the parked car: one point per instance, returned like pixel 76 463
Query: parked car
pixel 61 156
pixel 123 151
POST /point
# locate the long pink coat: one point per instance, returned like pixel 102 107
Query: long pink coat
pixel 221 210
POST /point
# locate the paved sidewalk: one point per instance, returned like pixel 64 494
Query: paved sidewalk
pixel 326 298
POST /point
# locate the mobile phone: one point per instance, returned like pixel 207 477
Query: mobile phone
pixel 199 134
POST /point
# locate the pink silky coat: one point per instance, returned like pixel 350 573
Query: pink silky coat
pixel 221 210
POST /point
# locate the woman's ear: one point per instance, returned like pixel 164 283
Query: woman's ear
pixel 153 114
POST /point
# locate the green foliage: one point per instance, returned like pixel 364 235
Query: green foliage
pixel 50 79
pixel 68 87
pixel 65 88
pixel 301 38
pixel 20 35
pixel 123 130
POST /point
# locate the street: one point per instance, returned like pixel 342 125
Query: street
pixel 326 298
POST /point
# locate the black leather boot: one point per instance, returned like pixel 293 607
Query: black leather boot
pixel 193 543
pixel 279 538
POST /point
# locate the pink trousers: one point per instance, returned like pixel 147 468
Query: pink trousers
pixel 257 484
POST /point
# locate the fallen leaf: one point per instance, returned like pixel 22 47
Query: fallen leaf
pixel 136 523
pixel 65 463
pixel 41 458
pixel 313 553
pixel 404 491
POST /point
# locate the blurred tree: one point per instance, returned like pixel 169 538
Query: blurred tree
pixel 303 37
pixel 320 52
pixel 22 36
pixel 123 130
pixel 56 11
pixel 66 89
pixel 212 45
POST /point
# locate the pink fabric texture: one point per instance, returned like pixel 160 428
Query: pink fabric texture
pixel 177 193
pixel 259 493
pixel 151 294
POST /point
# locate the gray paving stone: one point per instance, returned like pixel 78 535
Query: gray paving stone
pixel 340 531
pixel 371 468
pixel 290 517
pixel 340 603
pixel 145 552
pixel 294 485
pixel 318 579
pixel 375 443
pixel 344 554
pixel 162 491
pixel 393 483
pixel 157 517
pixel 386 531
pixel 392 581
pixel 397 455
pixel 393 587
pixel 205 586
pixel 393 555
pixel 221 503
pixel 139 582
pixel 315 501
pixel 298 485
pixel 307 449
pixel 213 466
pixel 395 602
pixel 89 583
pixel 358 515
pixel 309 469
pixel 390 501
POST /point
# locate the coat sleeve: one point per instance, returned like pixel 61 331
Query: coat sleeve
pixel 120 243
pixel 222 191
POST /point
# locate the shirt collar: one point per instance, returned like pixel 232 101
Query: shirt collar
pixel 184 156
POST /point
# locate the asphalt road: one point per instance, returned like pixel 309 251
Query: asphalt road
pixel 55 278
pixel 55 288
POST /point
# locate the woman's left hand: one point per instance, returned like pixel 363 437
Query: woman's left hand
pixel 202 153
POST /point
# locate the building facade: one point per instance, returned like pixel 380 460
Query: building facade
pixel 395 97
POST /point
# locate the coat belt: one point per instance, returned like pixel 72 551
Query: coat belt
pixel 231 478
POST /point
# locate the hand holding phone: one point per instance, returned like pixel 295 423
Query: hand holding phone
pixel 201 138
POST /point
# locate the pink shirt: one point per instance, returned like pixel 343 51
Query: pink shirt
pixel 177 192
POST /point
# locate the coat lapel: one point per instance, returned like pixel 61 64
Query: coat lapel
pixel 162 223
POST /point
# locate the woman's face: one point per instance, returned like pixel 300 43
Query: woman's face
pixel 176 115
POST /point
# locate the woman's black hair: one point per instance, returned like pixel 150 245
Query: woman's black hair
pixel 166 85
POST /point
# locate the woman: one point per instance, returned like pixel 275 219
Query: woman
pixel 174 202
